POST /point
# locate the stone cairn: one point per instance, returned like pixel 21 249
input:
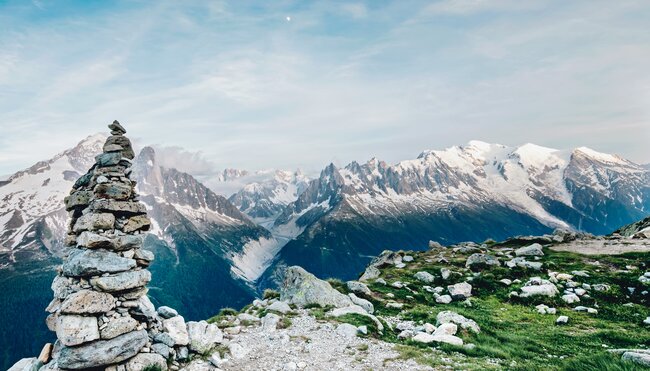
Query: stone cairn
pixel 101 313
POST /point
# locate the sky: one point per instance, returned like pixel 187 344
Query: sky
pixel 299 84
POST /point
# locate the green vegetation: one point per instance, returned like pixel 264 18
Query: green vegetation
pixel 152 368
pixel 271 294
pixel 513 334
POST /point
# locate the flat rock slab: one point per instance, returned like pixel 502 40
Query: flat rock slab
pixel 103 352
pixel 86 263
pixel 88 302
pixel 74 330
pixel 122 281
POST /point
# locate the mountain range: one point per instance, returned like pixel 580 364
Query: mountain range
pixel 238 230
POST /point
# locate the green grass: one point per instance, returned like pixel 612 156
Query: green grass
pixel 514 336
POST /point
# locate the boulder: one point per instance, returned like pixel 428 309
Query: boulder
pixel 538 287
pixel 425 277
pixel 448 328
pixel 74 330
pixel 203 336
pixel 359 288
pixel 94 222
pixel 443 299
pixel 86 263
pixel 102 352
pixel 78 198
pixel 176 328
pixel 562 320
pixel 122 281
pixel 280 307
pixel 136 223
pixel 460 320
pixel 93 240
pixel 640 358
pixel 571 298
pixel 87 302
pixel 303 288
pixel 167 312
pixel 144 360
pixel 425 338
pixel 363 303
pixel 530 250
pixel 270 322
pixel 480 261
pixel 118 326
pixel 370 274
pixel 460 291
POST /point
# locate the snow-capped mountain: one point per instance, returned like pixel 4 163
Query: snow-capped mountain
pixel 266 199
pixel 198 238
pixel 32 214
pixel 469 192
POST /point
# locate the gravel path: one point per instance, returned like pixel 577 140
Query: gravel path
pixel 312 345
pixel 604 247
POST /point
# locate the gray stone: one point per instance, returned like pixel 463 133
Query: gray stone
pixel 113 191
pixel 86 263
pixel 443 299
pixel 87 302
pixel 108 159
pixel 425 277
pixel 460 320
pixel 119 207
pixel 640 358
pixel 359 288
pixel 270 322
pixel 478 261
pixel 136 223
pixel 176 328
pixel 460 291
pixel 117 127
pixel 539 287
pixel 164 338
pixel 161 349
pixel 26 364
pixel 143 360
pixel 127 242
pixel 363 303
pixel 118 326
pixel 531 250
pixel 280 307
pixel 203 336
pixel 61 287
pixel 93 240
pixel 94 222
pixel 346 330
pixel 369 274
pixel 562 320
pixel 167 312
pixel 122 281
pixel 74 330
pixel 303 288
pixel 78 198
pixel 445 273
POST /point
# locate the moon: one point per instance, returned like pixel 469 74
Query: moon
pixel 288 19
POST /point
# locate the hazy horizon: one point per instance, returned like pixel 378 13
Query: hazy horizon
pixel 298 85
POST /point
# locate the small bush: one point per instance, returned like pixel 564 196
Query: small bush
pixel 152 368
pixel 270 294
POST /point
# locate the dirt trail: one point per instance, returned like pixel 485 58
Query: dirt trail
pixel 604 247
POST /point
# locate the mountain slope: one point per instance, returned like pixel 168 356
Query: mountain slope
pixel 196 237
pixel 470 192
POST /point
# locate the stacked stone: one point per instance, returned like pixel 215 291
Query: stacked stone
pixel 100 312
